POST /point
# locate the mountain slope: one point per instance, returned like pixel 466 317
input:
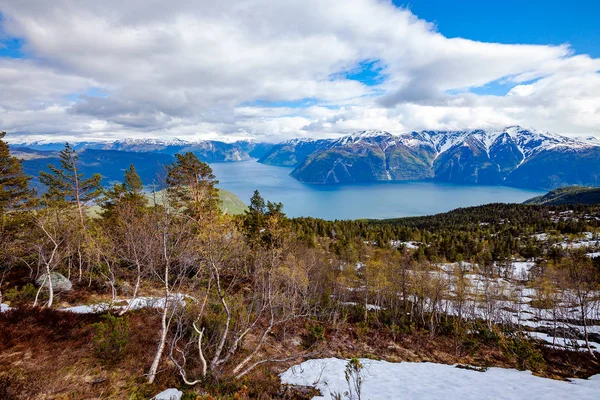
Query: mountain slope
pixel 568 195
pixel 205 150
pixel 512 156
pixel 292 152
pixel 111 164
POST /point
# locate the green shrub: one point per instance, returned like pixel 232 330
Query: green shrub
pixel 526 353
pixel 111 338
pixel 362 330
pixel 488 336
pixel 25 293
pixel 315 332
pixel 470 345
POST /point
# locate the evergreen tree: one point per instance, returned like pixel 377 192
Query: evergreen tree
pixel 66 185
pixel 133 182
pixel 262 217
pixel 191 185
pixel 129 193
pixel 14 184
pixel 255 215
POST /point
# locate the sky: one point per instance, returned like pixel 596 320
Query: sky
pixel 277 69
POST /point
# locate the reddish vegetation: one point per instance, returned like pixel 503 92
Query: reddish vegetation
pixel 50 355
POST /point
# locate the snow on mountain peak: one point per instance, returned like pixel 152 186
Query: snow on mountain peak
pixel 370 133
pixel 527 141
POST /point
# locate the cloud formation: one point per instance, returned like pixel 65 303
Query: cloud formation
pixel 272 70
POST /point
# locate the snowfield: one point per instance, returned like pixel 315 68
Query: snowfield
pixel 384 380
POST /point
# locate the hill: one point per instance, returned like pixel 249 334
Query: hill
pixel 568 195
pixel 230 203
pixel 111 164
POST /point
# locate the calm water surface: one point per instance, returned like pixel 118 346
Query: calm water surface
pixel 358 200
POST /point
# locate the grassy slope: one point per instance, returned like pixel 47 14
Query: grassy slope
pixel 230 203
pixel 568 195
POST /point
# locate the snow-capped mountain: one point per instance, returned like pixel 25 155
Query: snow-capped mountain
pixel 512 156
pixel 206 150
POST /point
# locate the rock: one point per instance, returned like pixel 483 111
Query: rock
pixel 59 282
pixel 169 394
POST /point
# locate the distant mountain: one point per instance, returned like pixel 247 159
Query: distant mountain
pixel 206 150
pixel 292 152
pixel 111 164
pixel 568 195
pixel 512 156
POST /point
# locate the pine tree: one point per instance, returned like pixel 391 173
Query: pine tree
pixel 254 216
pixel 133 182
pixel 191 185
pixel 14 184
pixel 127 193
pixel 66 185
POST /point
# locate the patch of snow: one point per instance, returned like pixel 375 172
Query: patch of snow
pixel 408 245
pixel 5 307
pixel 169 394
pixel 384 380
pixel 562 343
pixel 134 304
pixel 540 236
pixel 521 268
pixel 370 307
pixel 88 309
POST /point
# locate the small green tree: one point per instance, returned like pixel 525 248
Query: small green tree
pixel 111 338
pixel 14 184
pixel 262 219
pixel 66 185
pixel 191 185
pixel 255 215
pixel 126 194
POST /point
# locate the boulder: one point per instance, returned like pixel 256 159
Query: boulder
pixel 59 282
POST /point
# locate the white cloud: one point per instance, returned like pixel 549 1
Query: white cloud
pixel 190 69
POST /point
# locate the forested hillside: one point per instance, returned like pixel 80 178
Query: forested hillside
pixel 171 292
pixel 569 195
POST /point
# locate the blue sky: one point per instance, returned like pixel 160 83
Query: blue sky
pixel 183 69
pixel 516 21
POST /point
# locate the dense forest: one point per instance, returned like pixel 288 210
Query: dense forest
pixel 162 289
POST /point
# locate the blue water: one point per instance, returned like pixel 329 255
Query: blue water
pixel 358 200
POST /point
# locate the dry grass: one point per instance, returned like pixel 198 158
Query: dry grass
pixel 45 354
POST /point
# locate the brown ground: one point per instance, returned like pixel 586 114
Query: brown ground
pixel 46 354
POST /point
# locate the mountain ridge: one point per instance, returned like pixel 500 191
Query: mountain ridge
pixel 512 156
pixel 206 150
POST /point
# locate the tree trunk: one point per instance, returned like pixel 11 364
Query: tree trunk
pixel 161 344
